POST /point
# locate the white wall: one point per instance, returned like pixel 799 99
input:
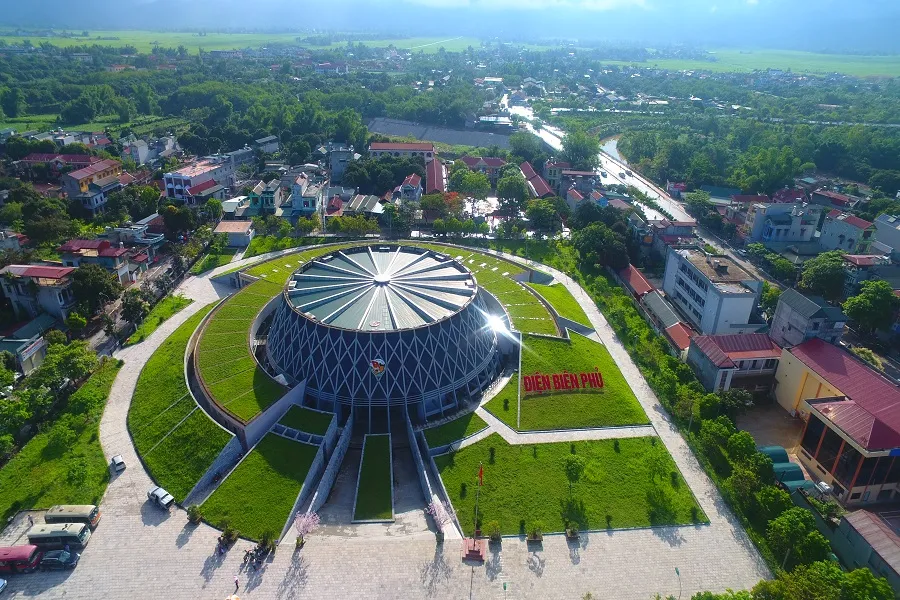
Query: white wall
pixel 730 310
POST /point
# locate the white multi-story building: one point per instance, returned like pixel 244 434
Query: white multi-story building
pixel 843 231
pixel 36 289
pixel 887 231
pixel 714 293
pixel 782 222
pixel 219 168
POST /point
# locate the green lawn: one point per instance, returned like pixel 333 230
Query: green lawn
pixel 562 301
pixel 163 310
pixel 39 476
pixel 259 495
pixel 210 261
pixel 175 439
pixel 632 482
pixel 374 500
pixel 454 430
pixel 278 270
pixel 305 419
pixel 234 379
pixel 613 405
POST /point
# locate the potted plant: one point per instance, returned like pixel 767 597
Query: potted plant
pixel 493 528
pixel 194 514
pixel 536 532
pixel 572 531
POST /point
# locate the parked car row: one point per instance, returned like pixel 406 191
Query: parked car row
pixel 53 543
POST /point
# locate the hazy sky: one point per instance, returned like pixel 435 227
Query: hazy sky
pixel 862 25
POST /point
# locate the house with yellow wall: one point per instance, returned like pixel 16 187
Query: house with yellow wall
pixel 851 435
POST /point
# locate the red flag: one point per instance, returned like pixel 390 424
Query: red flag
pixel 480 474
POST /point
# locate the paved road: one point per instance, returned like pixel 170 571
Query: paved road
pixel 140 552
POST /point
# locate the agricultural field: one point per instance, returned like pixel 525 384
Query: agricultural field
pixel 164 310
pixel 41 475
pixel 307 420
pixel 612 405
pixel 457 429
pixel 231 375
pixel 374 498
pixel 629 482
pixel 258 496
pixel 562 301
pixel 743 61
pixel 175 439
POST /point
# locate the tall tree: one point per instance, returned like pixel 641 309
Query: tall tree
pixel 512 192
pixel 581 150
pixel 94 286
pixel 875 307
pixel 824 275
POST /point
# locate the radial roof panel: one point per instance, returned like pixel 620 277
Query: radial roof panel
pixel 381 288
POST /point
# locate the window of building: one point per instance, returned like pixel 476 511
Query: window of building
pixel 771 363
pixel 855 496
pixel 828 452
pixel 815 326
pixel 847 464
pixel 811 437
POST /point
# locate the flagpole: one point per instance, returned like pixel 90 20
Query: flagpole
pixel 477 494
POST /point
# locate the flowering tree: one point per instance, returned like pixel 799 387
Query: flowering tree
pixel 441 512
pixel 305 524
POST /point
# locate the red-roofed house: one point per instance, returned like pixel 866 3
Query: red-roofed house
pixel 829 198
pixel 435 177
pixel 573 198
pixel 411 188
pixel 397 149
pixel 488 165
pixel 36 289
pixel 852 415
pixel 75 253
pixel 680 336
pixel 859 268
pixel 746 361
pixel 843 231
pixel 58 162
pixel 91 185
pixel 789 196
pixel 334 208
pixel 537 185
pixel 635 282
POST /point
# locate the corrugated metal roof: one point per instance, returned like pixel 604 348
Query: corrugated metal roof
pixel 654 303
pixel 725 350
pixel 883 540
pixel 811 306
pixel 635 280
pixel 858 382
pixel 382 288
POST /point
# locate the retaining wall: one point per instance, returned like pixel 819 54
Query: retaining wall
pixel 226 461
pixel 263 422
pixel 334 465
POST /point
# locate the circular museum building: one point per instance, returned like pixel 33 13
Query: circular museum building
pixel 385 326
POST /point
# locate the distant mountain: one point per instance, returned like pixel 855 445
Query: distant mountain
pixel 815 25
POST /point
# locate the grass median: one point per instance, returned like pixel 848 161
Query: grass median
pixel 259 494
pixel 562 301
pixel 176 440
pixel 210 261
pixel 630 482
pixel 163 311
pixel 457 429
pixel 374 496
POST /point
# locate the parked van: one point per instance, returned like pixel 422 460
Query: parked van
pixel 20 559
pixel 59 535
pixel 73 513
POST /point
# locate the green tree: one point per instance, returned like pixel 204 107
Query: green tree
pixel 824 275
pixel 783 269
pixel 75 321
pixel 73 361
pixel 94 286
pixel 581 150
pixel 512 192
pixel 542 217
pixel 769 297
pixel 772 502
pixel 213 209
pixel 597 244
pixel 134 306
pixel 794 539
pixel 874 307
pixel 741 446
pixel 574 466
pixel 12 101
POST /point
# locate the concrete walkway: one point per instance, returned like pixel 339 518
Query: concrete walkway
pixel 139 551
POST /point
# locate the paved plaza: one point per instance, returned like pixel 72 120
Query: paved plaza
pixel 141 552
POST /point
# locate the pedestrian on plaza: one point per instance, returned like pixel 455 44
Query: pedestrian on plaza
pixel 30 521
pixel 237 584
